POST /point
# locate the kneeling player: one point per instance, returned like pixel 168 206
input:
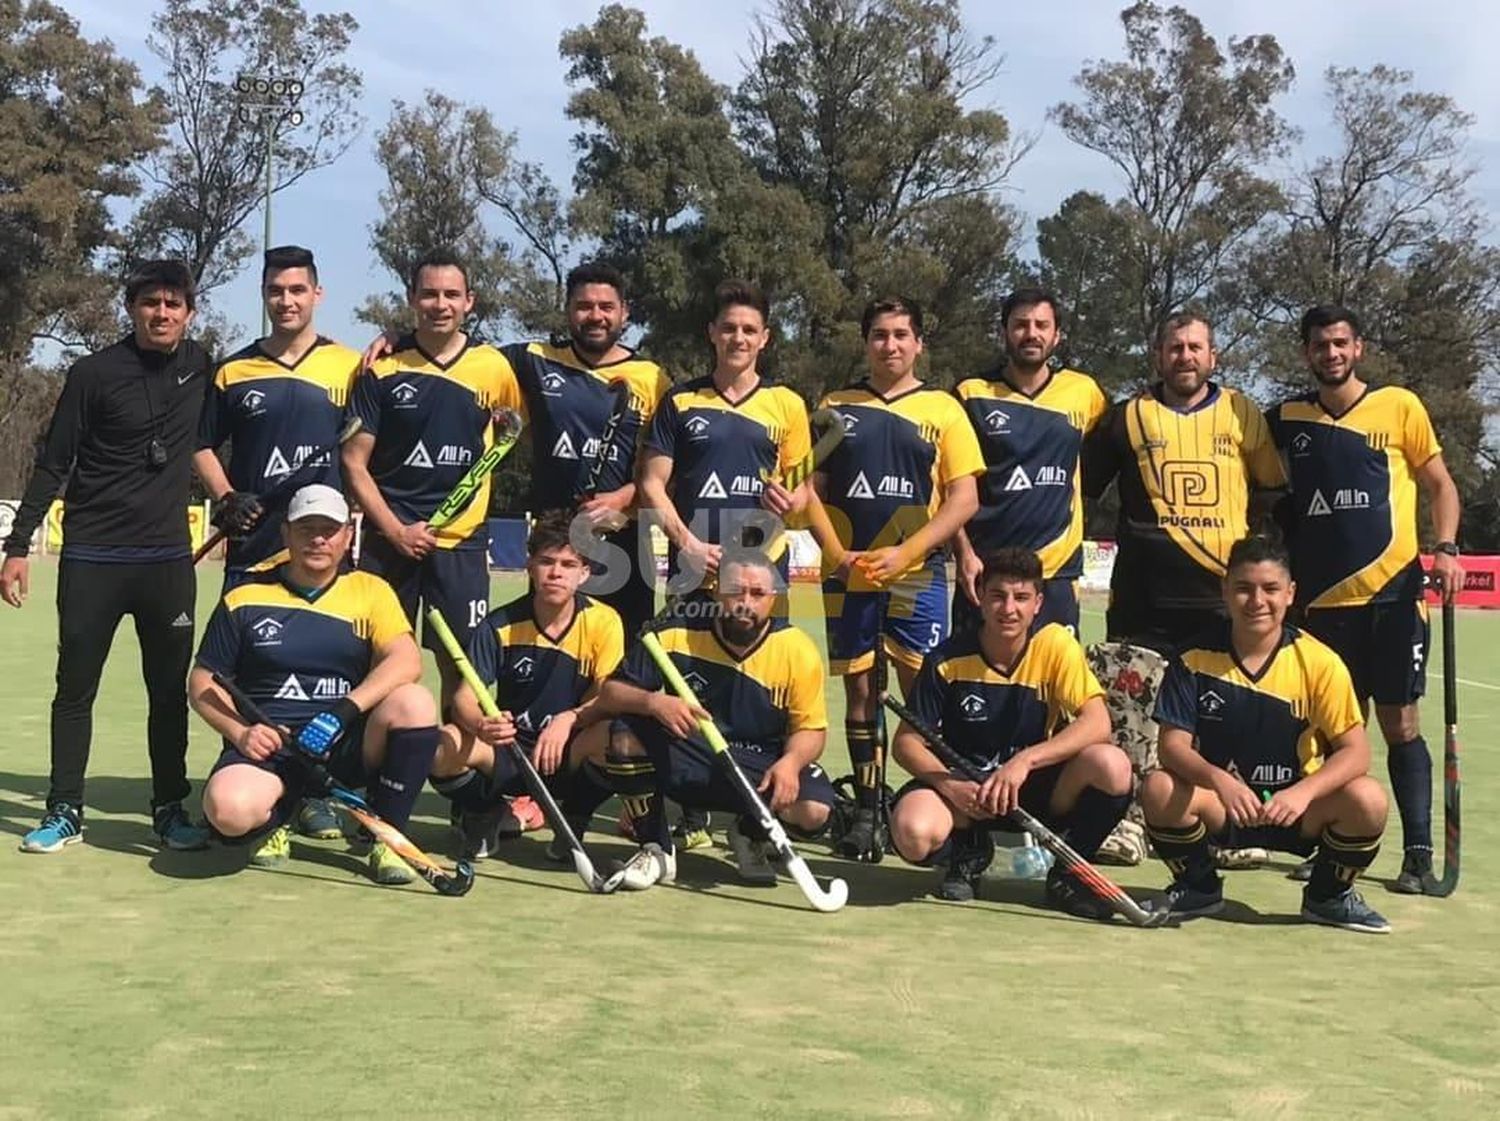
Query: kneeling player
pixel 331 659
pixel 760 679
pixel 1262 743
pixel 1027 711
pixel 546 654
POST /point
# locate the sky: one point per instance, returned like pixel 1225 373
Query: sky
pixel 503 55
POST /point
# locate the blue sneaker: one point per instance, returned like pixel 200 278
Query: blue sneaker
pixel 63 825
pixel 177 830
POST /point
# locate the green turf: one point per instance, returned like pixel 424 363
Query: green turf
pixel 146 985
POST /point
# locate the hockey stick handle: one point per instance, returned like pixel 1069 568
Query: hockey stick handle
pixel 827 900
pixel 455 883
pixel 1452 816
pixel 1450 663
pixel 1100 884
pixel 352 426
pixel 539 789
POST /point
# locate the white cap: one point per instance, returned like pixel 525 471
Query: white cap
pixel 318 501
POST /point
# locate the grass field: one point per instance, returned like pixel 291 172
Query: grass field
pixel 142 984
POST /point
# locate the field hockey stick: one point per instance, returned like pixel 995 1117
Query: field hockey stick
pixel 581 862
pixel 621 406
pixel 507 431
pixel 832 425
pixel 1095 880
pixel 455 883
pixel 1449 883
pixel 351 427
pixel 837 893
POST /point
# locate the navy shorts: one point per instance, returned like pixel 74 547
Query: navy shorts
pixel 1383 644
pixel 345 765
pixel 1059 605
pixel 1036 797
pixel 1277 838
pixel 455 581
pixel 916 620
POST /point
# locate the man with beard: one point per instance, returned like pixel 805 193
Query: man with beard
pixel 1357 455
pixel 759 679
pixel 1031 421
pixel 1187 453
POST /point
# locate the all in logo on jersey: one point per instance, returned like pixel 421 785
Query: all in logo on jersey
pixel 712 487
pixel 291 690
pixel 267 632
pixel 419 457
pixel 564 449
pixel 276 465
pixel 454 455
pixel 1018 480
pixel 253 403
pixel 404 396
pixel 860 487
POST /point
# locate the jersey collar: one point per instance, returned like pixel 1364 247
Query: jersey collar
pixel 1287 635
pixel 1014 388
pixel 1209 399
pixel 269 357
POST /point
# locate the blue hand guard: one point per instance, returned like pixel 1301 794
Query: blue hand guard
pixel 320 733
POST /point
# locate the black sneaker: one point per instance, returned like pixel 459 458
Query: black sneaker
pixel 1346 910
pixel 483 831
pixel 1069 896
pixel 971 856
pixel 1416 876
pixel 1185 901
pixel 864 840
pixel 176 830
pixel 1303 872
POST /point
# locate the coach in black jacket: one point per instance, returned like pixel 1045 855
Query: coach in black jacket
pixel 121 441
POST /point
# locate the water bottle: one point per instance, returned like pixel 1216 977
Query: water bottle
pixel 1029 861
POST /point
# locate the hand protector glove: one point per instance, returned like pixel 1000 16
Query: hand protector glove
pixel 238 513
pixel 318 735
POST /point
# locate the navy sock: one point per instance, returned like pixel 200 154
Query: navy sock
pixel 409 753
pixel 1338 862
pixel 864 754
pixel 1184 850
pixel 1409 765
pixel 1093 818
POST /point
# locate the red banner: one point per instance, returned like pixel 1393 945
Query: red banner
pixel 1481 582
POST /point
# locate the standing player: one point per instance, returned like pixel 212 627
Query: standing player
pixel 275 402
pixel 1031 421
pixel 1262 744
pixel 121 440
pixel 426 410
pixel 710 440
pixel 328 655
pixel 897 487
pixel 1187 453
pixel 761 681
pixel 1357 455
pixel 570 392
pixel 1020 703
pixel 546 654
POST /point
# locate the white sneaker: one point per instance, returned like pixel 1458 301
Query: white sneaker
pixel 750 857
pixel 650 865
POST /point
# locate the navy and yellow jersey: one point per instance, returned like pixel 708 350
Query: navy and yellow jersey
pixel 296 654
pixel 1271 728
pixel 275 415
pixel 1185 478
pixel 760 698
pixel 536 675
pixel 886 478
pixel 988 712
pixel 431 420
pixel 718 450
pixel 1031 493
pixel 568 403
pixel 1354 490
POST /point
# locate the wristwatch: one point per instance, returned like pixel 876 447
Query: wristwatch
pixel 1447 548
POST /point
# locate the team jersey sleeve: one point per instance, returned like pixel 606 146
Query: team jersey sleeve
pixel 507 386
pixel 666 422
pixel 387 620
pixel 639 669
pixel 1098 406
pixel 364 401
pixel 610 649
pixel 1335 708
pixel 927 692
pixel 1418 439
pixel 1102 455
pixel 1073 683
pixel 807 708
pixel 1177 702
pixel 219 650
pixel 797 442
pixel 214 420
pixel 485 652
pixel 958 448
pixel 1261 456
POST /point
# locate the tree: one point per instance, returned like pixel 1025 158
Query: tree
pixel 73 123
pixel 1188 127
pixel 210 177
pixel 446 165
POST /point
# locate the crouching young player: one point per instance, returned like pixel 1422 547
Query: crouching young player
pixel 760 679
pixel 1025 709
pixel 1262 743
pixel 545 653
pixel 330 657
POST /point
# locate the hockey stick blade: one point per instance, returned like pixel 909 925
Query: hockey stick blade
pixel 507 431
pixel 539 789
pixel 832 425
pixel 828 899
pixel 1095 880
pixel 453 884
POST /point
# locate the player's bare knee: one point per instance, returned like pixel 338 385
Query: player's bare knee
pixel 807 816
pixel 1399 723
pixel 453 751
pixel 408 706
pixel 1366 806
pixel 234 809
pixel 1107 768
pixel 624 744
pixel 1160 798
pixel 917 835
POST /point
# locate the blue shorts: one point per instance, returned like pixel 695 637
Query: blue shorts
pixel 1059 605
pixel 916 620
pixel 345 765
pixel 455 581
pixel 1384 645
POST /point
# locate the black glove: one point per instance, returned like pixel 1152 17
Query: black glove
pixel 238 513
